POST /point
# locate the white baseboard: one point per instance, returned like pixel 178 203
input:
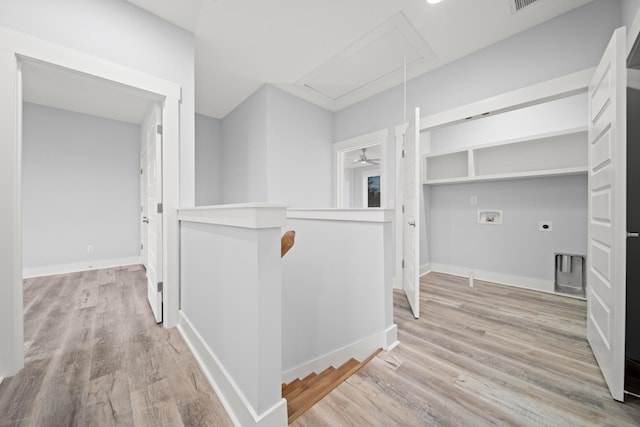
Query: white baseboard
pixel 397 282
pixel 391 337
pixel 234 401
pixel 359 350
pixel 500 278
pixel 50 270
pixel 425 269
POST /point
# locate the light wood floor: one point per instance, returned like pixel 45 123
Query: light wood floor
pixel 488 355
pixel 94 356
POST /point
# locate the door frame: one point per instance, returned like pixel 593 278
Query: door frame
pixel 557 88
pixel 363 141
pixel 15 46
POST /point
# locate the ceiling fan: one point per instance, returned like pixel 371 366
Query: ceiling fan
pixel 364 160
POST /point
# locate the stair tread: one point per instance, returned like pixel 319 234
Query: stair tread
pixel 303 394
pixel 295 387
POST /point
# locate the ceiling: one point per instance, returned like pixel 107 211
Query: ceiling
pixel 335 53
pixel 70 90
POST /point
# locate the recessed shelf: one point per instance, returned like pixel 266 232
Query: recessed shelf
pixel 557 153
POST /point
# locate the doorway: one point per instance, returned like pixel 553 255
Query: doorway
pixel 360 172
pixel 17 49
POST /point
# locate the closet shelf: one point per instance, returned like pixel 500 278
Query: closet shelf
pixel 550 154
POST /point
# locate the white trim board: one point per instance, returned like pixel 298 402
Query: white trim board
pixel 332 214
pixel 359 350
pixel 247 215
pixel 425 269
pixel 499 278
pixel 235 403
pixel 51 270
pixel 560 87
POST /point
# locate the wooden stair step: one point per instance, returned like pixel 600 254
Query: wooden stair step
pixel 303 394
pixel 306 384
pixel 288 389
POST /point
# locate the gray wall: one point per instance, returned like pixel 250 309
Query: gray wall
pixel 80 187
pixel 244 150
pixel 277 148
pixel 299 152
pixel 120 32
pixel 208 161
pixel 569 43
pixel 629 10
pixel 516 247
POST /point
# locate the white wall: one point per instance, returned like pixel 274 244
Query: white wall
pixel 208 160
pixel 122 33
pixel 516 247
pixel 299 151
pixel 231 314
pixel 336 293
pixel 277 148
pixel 80 187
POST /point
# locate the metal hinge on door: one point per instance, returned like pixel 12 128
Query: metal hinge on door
pixel 402 208
pixel 159 210
pixel 404 152
pixel 159 129
pixel 160 285
pixel 402 263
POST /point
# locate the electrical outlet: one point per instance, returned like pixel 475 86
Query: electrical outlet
pixel 474 200
pixel 545 226
pixel 90 248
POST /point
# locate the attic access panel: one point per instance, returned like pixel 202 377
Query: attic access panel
pixel 378 55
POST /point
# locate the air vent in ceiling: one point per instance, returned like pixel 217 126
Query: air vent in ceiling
pixel 517 5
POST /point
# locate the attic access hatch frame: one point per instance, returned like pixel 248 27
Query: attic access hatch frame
pixel 375 61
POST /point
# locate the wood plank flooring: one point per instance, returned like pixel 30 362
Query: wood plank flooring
pixel 95 356
pixel 487 355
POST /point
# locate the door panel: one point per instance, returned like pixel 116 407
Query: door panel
pixel 144 213
pixel 154 218
pixel 411 217
pixel 606 277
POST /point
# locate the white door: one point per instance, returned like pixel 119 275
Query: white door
pixel 143 205
pixel 153 178
pixel 606 278
pixel 411 216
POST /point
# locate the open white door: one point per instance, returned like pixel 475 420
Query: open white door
pixel 606 278
pixel 144 211
pixel 411 213
pixel 153 222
